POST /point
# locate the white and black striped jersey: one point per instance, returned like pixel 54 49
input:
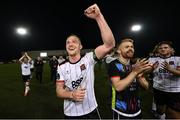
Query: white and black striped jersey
pixel 25 68
pixel 163 79
pixel 79 74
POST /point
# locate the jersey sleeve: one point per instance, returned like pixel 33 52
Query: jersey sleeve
pixel 178 63
pixel 113 70
pixel 59 75
pixel 91 57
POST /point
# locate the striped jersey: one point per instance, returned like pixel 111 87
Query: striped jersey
pixel 75 75
pixel 163 79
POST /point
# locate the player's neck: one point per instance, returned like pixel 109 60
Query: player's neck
pixel 74 59
pixel 123 60
pixel 165 56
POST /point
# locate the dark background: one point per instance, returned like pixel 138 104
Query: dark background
pixel 50 22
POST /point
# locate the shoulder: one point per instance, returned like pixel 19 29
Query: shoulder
pixel 115 61
pixel 64 63
pixel 89 54
pixel 109 59
pixel 176 57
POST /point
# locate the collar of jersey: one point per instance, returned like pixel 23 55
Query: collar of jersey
pixel 77 61
pixel 164 57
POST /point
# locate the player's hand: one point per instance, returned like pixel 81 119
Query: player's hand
pixel 78 95
pixel 141 65
pixel 25 53
pixel 92 12
pixel 165 65
pixel 155 65
pixel 139 76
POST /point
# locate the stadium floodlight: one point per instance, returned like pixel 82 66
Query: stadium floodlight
pixel 43 54
pixel 136 28
pixel 21 31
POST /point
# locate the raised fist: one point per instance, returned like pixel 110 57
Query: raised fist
pixel 92 11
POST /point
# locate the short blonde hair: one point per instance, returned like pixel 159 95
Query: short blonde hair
pixel 79 39
pixel 125 40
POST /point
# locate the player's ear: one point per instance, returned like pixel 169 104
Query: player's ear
pixel 81 46
pixel 118 51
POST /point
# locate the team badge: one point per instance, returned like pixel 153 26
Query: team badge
pixel 83 67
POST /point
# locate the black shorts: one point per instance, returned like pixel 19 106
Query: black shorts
pixel 92 115
pixel 25 78
pixel 170 99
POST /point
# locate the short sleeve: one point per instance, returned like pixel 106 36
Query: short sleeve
pixel 91 57
pixel 113 69
pixel 178 62
pixel 59 75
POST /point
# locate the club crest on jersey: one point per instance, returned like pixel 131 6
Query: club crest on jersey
pixel 83 67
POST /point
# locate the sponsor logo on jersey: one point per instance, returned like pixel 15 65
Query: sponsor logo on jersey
pixel 76 83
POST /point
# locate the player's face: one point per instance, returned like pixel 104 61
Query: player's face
pixel 73 46
pixel 165 50
pixel 126 49
pixel 38 58
pixel 25 60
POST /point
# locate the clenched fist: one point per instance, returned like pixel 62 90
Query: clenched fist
pixel 92 12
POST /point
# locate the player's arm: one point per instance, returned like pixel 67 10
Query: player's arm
pixel 175 71
pixel 142 80
pixel 121 84
pixel 106 33
pixel 62 92
pixel 20 59
pixel 29 58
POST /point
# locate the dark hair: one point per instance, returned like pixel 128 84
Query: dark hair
pixel 165 42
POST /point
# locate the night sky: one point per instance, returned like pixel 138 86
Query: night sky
pixel 50 22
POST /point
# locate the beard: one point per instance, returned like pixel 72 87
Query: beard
pixel 71 53
pixel 129 54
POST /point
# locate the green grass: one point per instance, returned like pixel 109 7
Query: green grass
pixel 42 102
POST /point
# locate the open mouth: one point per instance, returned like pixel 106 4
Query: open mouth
pixel 71 49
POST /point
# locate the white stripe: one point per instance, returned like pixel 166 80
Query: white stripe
pixel 127 115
